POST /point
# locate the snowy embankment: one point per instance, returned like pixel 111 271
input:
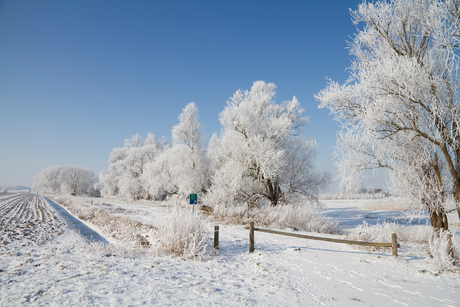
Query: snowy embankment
pixel 76 224
pixel 283 271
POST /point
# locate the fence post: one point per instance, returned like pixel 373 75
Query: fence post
pixel 394 245
pixel 450 252
pixel 216 237
pixel 251 237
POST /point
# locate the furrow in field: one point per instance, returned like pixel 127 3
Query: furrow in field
pixel 36 212
pixel 13 214
pixel 21 214
pixel 26 218
pixel 8 206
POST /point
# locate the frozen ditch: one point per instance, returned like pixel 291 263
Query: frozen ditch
pixel 84 230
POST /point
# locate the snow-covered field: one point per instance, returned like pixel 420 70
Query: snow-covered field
pixel 66 269
pixel 26 219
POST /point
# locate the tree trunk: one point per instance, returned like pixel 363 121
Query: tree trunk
pixel 438 216
pixel 439 220
pixel 457 199
pixel 273 192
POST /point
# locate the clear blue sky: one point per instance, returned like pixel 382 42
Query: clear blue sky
pixel 79 77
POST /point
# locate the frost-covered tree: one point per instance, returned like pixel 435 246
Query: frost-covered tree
pixel 68 179
pixel 158 177
pixel 77 181
pixel 189 130
pixel 370 190
pixel 189 139
pixel 48 181
pixel 127 165
pixel 107 184
pixel 352 186
pixel 182 168
pixel 400 106
pixel 260 154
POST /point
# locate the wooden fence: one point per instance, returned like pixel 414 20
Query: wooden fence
pixel 394 244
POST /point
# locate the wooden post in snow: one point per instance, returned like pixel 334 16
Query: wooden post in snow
pixel 450 252
pixel 394 245
pixel 251 237
pixel 216 237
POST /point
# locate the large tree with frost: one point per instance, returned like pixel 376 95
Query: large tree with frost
pixel 48 181
pixel 189 138
pixel 77 180
pixel 260 154
pixel 182 168
pixel 400 106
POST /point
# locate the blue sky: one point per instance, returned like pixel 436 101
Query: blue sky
pixel 79 77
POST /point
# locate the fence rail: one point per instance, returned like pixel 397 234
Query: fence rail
pixel 394 244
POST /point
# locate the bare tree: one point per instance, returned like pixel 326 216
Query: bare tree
pixel 400 107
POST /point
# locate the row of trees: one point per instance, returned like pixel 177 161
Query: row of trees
pixel 68 179
pixel 260 156
pixel 400 105
pixel 154 169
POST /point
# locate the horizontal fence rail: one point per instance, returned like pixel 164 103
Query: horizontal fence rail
pixel 251 228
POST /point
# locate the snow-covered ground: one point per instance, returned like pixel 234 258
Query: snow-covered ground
pixel 283 271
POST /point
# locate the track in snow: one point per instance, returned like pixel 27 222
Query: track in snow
pixel 27 218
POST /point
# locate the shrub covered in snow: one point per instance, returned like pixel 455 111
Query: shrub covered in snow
pixel 184 233
pixel 438 250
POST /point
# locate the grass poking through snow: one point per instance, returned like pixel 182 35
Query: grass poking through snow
pixel 299 217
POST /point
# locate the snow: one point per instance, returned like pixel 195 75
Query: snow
pixel 351 213
pixel 78 225
pixel 283 271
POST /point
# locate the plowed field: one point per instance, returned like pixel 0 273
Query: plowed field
pixel 26 219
